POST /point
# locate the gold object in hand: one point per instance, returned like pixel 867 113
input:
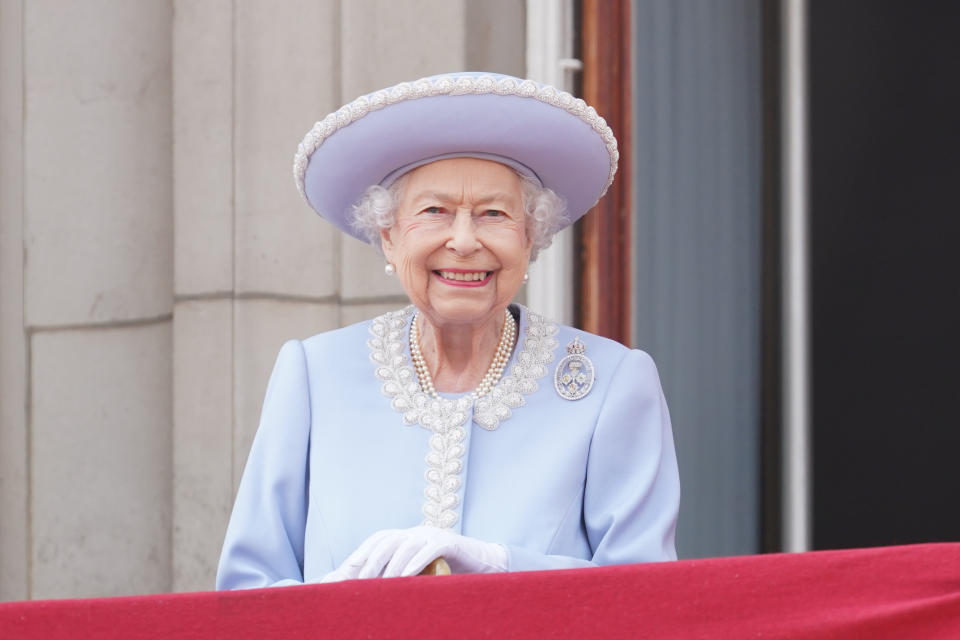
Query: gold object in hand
pixel 438 567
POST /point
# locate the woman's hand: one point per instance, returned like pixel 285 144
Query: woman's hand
pixel 405 552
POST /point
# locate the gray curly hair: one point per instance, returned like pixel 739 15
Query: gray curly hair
pixel 546 212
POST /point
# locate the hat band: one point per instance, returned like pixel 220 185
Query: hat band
pixel 521 168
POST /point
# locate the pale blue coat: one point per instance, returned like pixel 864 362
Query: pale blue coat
pixel 561 483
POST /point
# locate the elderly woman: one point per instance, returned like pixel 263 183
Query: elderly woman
pixel 464 426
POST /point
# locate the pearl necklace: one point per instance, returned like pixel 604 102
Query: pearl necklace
pixel 494 372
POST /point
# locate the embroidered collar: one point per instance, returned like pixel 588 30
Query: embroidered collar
pixel 446 417
pixel 388 350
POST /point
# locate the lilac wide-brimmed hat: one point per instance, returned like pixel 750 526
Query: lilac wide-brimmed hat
pixel 541 131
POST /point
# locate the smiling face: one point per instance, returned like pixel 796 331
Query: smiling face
pixel 459 242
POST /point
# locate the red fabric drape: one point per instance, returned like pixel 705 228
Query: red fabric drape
pixel 892 592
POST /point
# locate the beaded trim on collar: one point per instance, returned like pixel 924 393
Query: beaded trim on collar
pixel 387 351
pixel 452 85
pixel 446 417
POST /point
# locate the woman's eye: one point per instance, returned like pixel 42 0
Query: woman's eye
pixel 493 213
pixel 433 210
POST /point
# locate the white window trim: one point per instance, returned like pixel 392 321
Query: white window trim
pixel 550 290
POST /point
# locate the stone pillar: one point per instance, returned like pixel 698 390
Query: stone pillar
pixel 14 528
pixel 203 167
pixel 254 267
pixel 89 417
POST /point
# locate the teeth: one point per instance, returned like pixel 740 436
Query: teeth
pixel 469 276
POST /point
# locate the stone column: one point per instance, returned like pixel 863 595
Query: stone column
pixel 203 165
pixel 254 267
pixel 14 529
pixel 91 444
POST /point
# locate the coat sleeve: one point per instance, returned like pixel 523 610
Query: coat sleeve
pixel 632 488
pixel 264 540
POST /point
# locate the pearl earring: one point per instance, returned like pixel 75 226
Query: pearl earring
pixel 389 269
pixel 526 278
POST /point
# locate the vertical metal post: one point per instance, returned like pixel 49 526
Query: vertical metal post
pixel 797 480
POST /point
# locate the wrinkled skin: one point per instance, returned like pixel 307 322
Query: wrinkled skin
pixel 463 216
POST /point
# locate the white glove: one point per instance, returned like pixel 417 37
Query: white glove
pixel 405 552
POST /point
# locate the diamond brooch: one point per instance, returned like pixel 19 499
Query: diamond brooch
pixel 574 376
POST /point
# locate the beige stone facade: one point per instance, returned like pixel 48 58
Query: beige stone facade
pixel 154 255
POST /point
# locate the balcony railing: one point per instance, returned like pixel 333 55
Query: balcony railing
pixel 890 592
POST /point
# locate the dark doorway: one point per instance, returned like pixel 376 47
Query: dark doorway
pixel 885 224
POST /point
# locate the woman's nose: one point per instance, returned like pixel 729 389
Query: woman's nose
pixel 463 234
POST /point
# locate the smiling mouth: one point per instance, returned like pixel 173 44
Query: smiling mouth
pixel 466 276
pixel 463 278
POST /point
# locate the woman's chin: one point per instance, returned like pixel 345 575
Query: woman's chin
pixel 462 309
